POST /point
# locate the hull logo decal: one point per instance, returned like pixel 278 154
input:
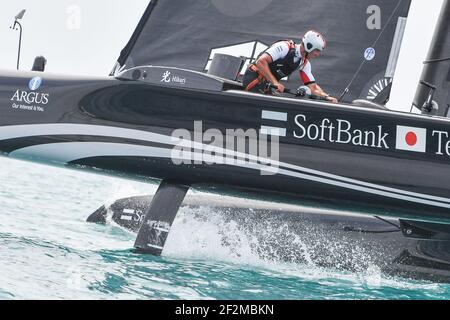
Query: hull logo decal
pixel 274 116
pixel 35 83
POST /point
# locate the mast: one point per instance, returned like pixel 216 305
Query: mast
pixel 433 92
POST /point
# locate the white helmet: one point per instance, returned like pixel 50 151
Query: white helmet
pixel 313 40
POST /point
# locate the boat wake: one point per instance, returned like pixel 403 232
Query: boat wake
pixel 239 236
pixel 292 248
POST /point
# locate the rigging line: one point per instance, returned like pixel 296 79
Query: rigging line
pixel 347 88
pixel 436 60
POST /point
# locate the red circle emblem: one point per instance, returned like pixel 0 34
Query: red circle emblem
pixel 411 139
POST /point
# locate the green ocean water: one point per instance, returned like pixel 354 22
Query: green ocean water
pixel 48 251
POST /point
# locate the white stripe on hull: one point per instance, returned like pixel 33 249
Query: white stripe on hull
pixel 21 131
pixel 72 151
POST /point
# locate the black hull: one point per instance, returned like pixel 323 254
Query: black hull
pixel 123 127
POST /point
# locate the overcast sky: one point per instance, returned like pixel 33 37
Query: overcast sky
pixel 85 37
pixel 76 36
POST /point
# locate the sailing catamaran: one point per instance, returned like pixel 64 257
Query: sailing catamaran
pixel 174 100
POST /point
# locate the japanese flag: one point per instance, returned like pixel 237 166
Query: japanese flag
pixel 411 139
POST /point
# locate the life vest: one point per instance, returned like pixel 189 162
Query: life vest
pixel 285 67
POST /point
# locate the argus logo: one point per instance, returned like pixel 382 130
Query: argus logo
pixel 35 83
pixel 32 96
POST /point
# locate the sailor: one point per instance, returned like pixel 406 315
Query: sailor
pixel 281 60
